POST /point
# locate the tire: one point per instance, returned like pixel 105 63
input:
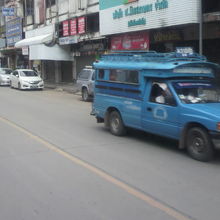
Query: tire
pixel 116 124
pixel 19 86
pixel 199 145
pixel 85 94
pixel 11 85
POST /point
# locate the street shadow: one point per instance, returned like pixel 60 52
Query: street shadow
pixel 29 90
pixel 159 142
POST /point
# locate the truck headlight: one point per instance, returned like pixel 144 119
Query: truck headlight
pixel 218 126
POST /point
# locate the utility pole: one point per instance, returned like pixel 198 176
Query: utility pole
pixel 200 28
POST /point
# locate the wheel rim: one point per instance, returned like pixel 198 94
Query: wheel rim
pixel 115 123
pixel 198 143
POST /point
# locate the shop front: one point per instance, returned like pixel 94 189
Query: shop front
pixel 164 21
pixel 166 39
pixel 44 49
pixel 86 53
pixel 82 36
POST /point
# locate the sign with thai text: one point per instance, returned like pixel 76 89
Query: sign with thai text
pixel 68 40
pixel 25 51
pixel 10 4
pixel 8 11
pixel 13 31
pixel 170 35
pixel 81 25
pixel 134 41
pixel 65 28
pixel 184 51
pixel 73 26
pixel 117 17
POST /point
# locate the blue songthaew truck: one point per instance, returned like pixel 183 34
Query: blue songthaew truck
pixel 168 94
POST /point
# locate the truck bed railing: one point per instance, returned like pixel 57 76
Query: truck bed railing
pixel 151 56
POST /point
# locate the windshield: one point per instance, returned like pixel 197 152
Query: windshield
pixel 28 73
pixel 5 71
pixel 197 92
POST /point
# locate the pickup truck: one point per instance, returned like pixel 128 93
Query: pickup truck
pixel 163 94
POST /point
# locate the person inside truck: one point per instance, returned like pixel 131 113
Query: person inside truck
pixel 161 96
pixel 157 94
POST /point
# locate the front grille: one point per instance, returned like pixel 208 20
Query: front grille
pixel 35 82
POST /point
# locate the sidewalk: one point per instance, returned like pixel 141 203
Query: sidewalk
pixel 67 87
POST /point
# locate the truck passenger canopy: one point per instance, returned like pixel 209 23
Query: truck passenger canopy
pixel 123 66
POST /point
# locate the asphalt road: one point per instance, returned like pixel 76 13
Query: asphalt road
pixel 57 163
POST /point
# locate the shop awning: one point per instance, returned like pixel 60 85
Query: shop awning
pixel 46 38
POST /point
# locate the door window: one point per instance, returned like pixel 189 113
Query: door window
pixel 15 73
pixel 160 93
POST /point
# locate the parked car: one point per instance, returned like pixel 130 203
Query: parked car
pixel 5 76
pixel 26 79
pixel 85 82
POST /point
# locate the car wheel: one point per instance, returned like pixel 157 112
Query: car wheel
pixel 11 85
pixel 85 94
pixel 116 124
pixel 19 86
pixel 199 145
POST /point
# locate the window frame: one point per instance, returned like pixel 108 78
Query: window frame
pixel 126 76
pixel 172 96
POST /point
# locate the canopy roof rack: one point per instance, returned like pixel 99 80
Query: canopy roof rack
pixel 151 56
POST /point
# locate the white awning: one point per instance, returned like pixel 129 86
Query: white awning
pixel 56 52
pixel 46 38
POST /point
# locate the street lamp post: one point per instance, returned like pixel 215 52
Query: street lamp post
pixel 200 28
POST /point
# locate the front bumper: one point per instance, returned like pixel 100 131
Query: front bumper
pixel 5 82
pixel 32 86
pixel 215 136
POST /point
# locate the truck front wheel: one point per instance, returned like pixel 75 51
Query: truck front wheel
pixel 199 145
pixel 116 124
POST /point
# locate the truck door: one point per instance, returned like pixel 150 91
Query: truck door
pixel 160 112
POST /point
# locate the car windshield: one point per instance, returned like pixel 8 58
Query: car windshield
pixel 197 92
pixel 28 73
pixel 5 71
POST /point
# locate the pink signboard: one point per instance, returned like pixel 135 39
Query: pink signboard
pixel 81 25
pixel 134 41
pixel 65 28
pixel 73 26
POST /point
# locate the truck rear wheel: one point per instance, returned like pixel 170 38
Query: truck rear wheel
pixel 199 145
pixel 116 124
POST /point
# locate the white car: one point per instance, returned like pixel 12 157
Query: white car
pixel 5 76
pixel 26 79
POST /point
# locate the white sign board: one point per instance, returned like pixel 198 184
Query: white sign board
pixel 8 11
pixel 118 17
pixel 25 51
pixel 68 40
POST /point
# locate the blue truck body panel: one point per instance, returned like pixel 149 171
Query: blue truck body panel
pixel 131 93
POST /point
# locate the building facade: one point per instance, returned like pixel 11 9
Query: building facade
pixel 60 37
pixel 161 25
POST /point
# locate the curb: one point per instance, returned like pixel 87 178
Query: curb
pixel 63 89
